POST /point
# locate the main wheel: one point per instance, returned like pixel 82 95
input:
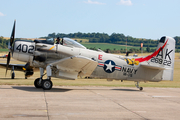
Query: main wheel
pixel 12 75
pixel 47 84
pixel 37 84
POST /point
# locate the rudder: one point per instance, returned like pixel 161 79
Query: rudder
pixel 167 56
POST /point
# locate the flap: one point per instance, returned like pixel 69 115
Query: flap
pixel 79 64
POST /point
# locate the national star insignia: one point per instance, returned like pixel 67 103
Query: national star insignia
pixel 109 66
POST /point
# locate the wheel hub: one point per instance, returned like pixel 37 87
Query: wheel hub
pixel 47 84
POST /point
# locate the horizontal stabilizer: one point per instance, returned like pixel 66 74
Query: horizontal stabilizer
pixel 153 67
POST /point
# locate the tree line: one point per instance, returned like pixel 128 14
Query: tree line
pixel 116 38
pixel 3 43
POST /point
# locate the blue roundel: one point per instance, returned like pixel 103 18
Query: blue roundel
pixel 109 66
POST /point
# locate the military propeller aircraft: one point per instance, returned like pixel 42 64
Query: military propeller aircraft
pixel 71 59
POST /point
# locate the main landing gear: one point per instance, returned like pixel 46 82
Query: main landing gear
pixel 45 84
pixel 137 85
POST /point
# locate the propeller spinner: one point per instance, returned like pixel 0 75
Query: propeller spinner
pixel 10 47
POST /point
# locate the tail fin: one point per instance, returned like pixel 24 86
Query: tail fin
pixel 162 58
pixel 166 55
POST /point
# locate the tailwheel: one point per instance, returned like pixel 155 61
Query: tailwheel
pixel 47 84
pixel 140 88
pixel 137 85
pixel 37 83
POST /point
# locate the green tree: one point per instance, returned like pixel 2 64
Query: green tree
pixel 148 49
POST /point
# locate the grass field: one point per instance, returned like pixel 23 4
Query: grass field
pixel 104 46
pixel 4 50
pixel 19 80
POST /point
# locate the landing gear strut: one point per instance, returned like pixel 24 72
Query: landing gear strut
pixel 137 85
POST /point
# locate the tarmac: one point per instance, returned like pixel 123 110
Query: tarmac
pixel 89 103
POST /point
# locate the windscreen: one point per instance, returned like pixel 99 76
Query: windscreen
pixel 72 43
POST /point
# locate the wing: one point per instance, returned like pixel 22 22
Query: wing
pixel 17 67
pixel 73 66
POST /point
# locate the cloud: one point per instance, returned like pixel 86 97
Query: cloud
pixel 94 2
pixel 125 2
pixel 1 14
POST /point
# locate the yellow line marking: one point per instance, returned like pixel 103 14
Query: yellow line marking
pixel 24 68
pixel 51 47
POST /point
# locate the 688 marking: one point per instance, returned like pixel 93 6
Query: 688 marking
pixel 160 61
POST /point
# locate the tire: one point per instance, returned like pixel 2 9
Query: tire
pixel 12 75
pixel 47 84
pixel 36 83
pixel 141 88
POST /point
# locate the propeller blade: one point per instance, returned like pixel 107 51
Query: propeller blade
pixel 8 60
pixel 12 34
pixel 10 46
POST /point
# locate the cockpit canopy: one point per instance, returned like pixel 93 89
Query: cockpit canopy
pixel 66 42
pixel 72 43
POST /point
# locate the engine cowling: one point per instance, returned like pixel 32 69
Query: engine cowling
pixel 23 51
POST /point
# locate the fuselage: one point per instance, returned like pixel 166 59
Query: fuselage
pixel 110 66
pixel 155 67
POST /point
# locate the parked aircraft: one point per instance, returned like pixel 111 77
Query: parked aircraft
pixel 71 59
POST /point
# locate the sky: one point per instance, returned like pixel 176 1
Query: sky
pixel 150 19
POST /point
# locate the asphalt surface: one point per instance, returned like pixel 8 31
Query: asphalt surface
pixel 89 103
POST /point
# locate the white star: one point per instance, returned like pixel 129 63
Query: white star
pixel 109 66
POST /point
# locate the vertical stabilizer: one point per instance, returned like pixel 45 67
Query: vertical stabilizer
pixel 167 56
pixel 162 59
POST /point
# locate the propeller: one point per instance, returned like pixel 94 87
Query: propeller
pixel 10 46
